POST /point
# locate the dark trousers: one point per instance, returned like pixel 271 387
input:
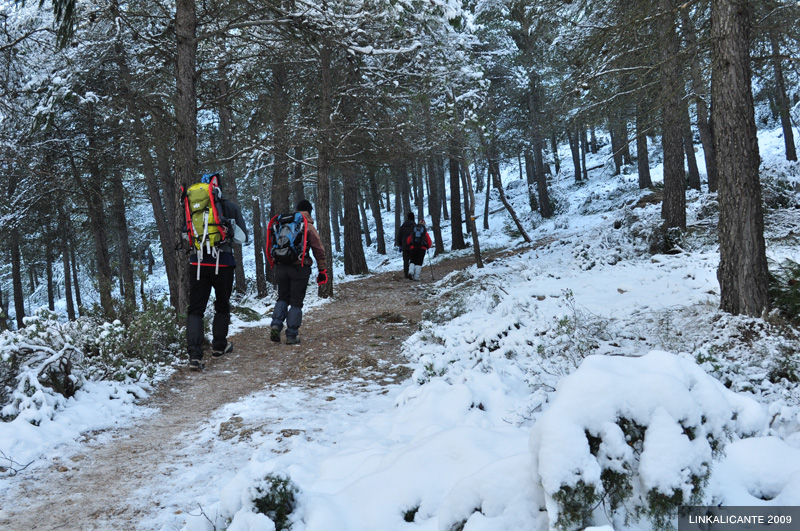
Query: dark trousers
pixel 418 256
pixel 406 259
pixel 292 281
pixel 199 292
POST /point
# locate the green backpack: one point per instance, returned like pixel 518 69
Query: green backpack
pixel 205 224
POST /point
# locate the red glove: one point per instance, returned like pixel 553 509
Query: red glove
pixel 322 277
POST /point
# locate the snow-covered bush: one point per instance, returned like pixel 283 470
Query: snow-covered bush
pixel 45 363
pixel 635 437
pixel 37 367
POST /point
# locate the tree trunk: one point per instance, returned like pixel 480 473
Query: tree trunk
pixel 494 170
pixel 420 180
pixel 74 262
pixel 531 180
pixel 324 162
pixel 354 261
pixel 476 246
pixel 456 224
pixel 488 194
pixel 259 247
pixel 374 203
pixel 584 144
pixel 781 99
pixel 364 220
pixel 433 206
pixel 673 209
pixel 49 259
pixel 336 204
pixel 743 274
pixel 125 265
pixel 93 196
pixel 16 278
pixel 163 224
pixel 186 125
pixel 700 94
pixel 693 179
pixel 281 187
pixel 574 146
pixel 442 185
pixel 228 181
pixel 64 236
pixel 642 155
pixel 554 147
pixel 464 186
pixel 616 144
pixel 298 188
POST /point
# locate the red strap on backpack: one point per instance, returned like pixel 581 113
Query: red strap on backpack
pixel 268 247
pixel 188 216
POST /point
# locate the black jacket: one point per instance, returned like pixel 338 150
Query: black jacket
pixel 405 231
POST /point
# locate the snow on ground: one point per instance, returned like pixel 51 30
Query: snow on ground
pixel 521 376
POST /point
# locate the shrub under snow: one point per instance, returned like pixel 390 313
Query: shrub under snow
pixel 635 437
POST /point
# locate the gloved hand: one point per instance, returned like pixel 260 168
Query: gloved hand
pixel 399 249
pixel 322 277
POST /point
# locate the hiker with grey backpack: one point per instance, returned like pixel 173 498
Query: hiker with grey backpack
pixel 213 226
pixel 290 237
pixel 419 241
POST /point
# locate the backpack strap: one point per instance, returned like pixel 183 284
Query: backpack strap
pixel 305 239
pixel 188 216
pixel 269 245
pixel 212 203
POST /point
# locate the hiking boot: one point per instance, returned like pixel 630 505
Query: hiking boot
pixel 219 353
pixel 275 334
pixel 196 365
pixel 292 340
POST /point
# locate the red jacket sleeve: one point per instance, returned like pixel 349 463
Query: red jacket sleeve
pixel 428 241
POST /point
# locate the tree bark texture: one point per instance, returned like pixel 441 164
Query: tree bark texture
pixel 16 278
pixel 259 247
pixel 354 261
pixel 281 187
pixel 781 99
pixel 456 224
pixel 531 180
pixel 743 275
pixel 163 224
pixel 693 178
pixel 125 263
pixel 323 206
pixel 433 206
pixel 642 155
pixel 700 94
pixel 374 203
pixel 186 126
pixel 228 181
pixel 64 236
pixel 673 209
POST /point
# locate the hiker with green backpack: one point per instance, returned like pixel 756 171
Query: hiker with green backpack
pixel 213 226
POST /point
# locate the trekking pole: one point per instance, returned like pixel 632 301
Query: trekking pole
pixel 430 266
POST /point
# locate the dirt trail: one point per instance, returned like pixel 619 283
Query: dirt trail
pixel 354 335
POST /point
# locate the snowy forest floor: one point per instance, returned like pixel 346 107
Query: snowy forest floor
pixel 118 478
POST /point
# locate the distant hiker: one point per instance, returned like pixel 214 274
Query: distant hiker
pixel 419 241
pixel 401 242
pixel 289 237
pixel 213 225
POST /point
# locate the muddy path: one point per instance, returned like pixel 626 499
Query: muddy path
pixel 110 484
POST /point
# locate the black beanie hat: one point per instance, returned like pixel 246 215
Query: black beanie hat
pixel 410 216
pixel 304 206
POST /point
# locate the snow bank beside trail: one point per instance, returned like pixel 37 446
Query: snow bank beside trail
pixel 641 428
